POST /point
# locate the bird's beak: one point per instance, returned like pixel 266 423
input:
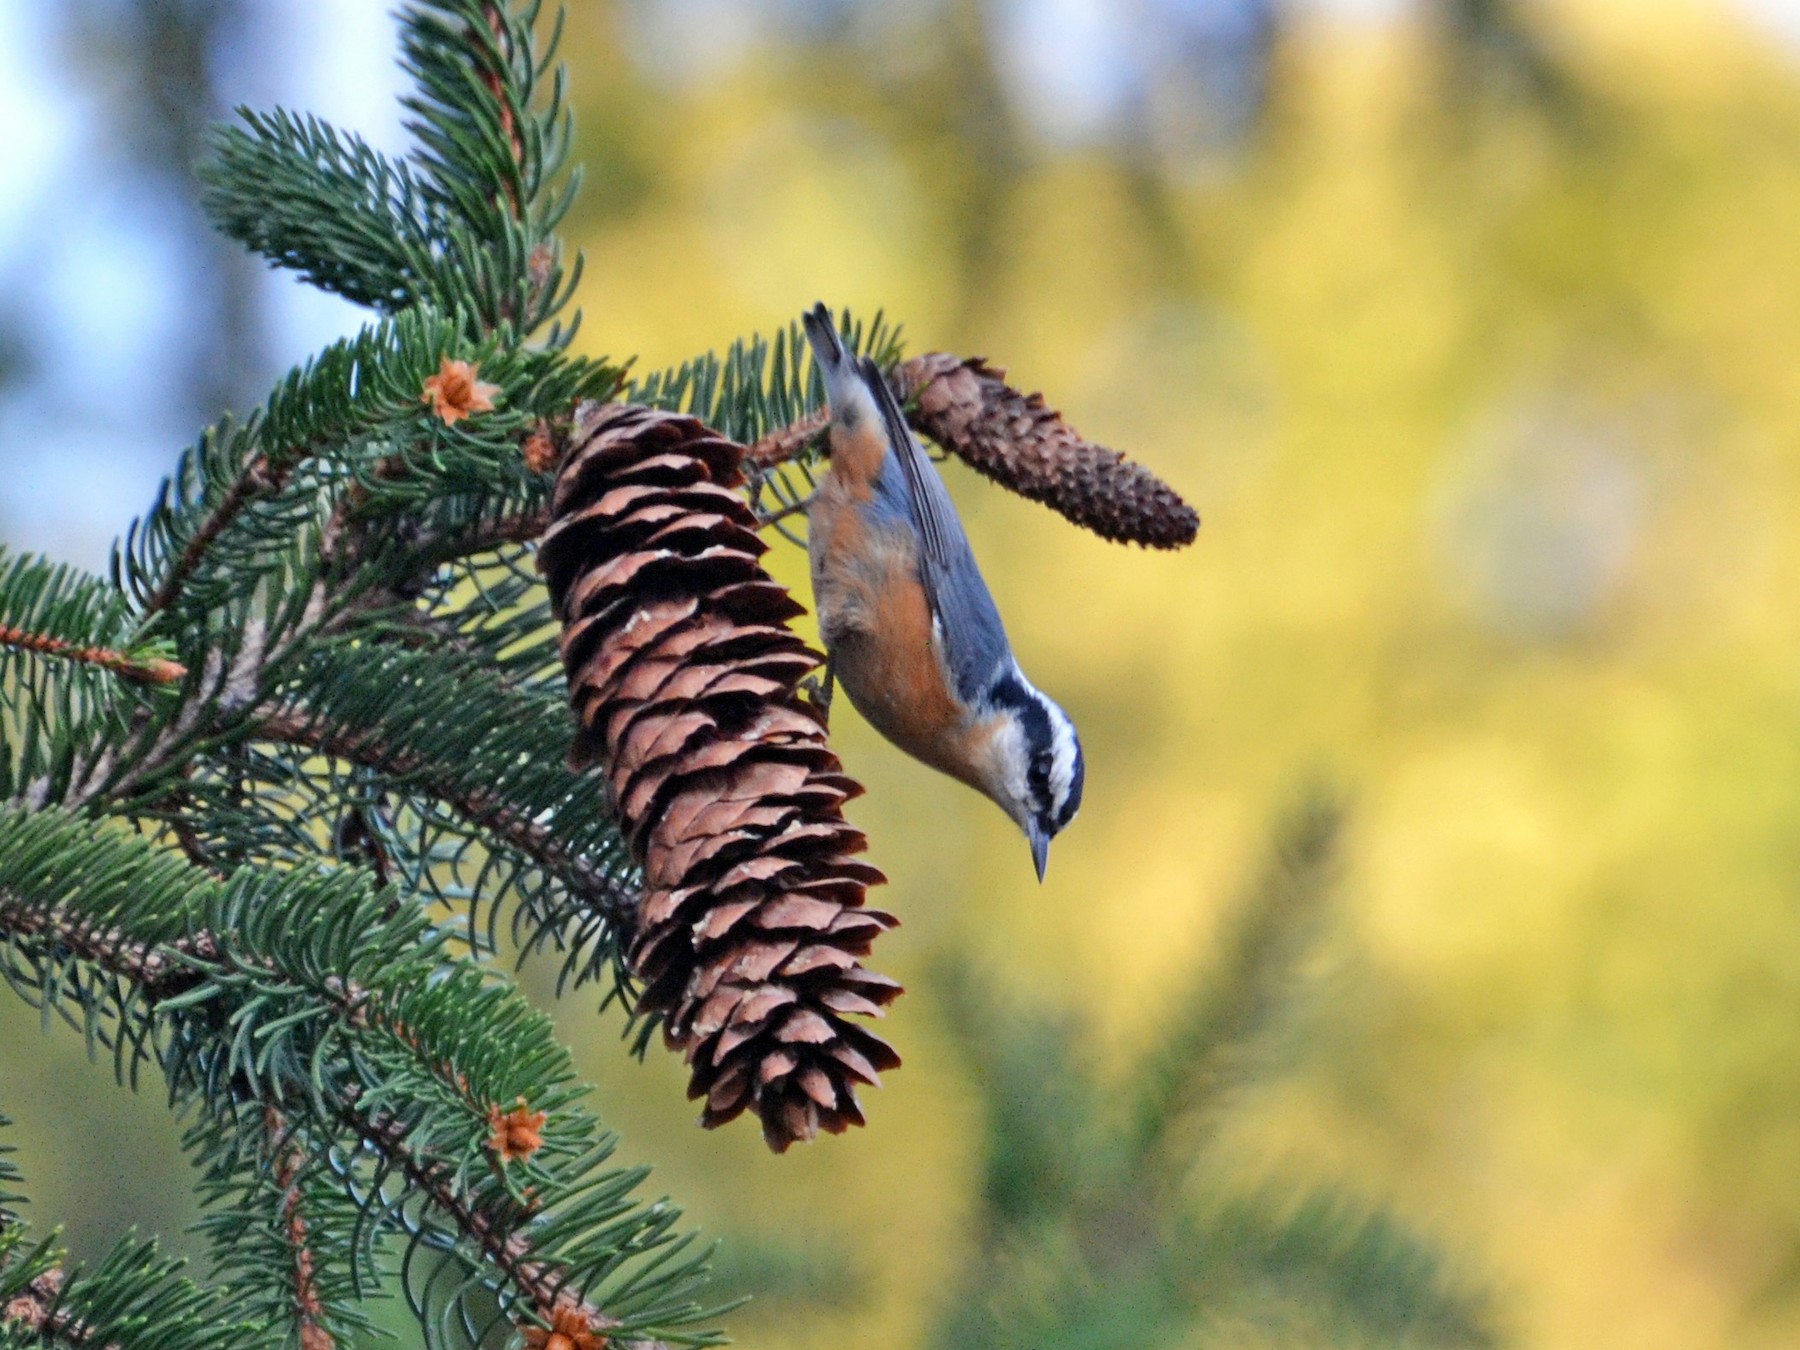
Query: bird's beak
pixel 1040 849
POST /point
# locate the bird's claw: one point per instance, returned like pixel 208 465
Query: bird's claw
pixel 818 690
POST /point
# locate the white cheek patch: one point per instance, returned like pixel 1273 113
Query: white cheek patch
pixel 1010 762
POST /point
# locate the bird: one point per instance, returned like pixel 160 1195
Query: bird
pixel 910 628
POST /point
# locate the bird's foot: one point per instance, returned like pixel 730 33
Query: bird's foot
pixel 818 690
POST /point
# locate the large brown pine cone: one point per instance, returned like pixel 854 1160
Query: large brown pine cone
pixel 684 677
pixel 1022 443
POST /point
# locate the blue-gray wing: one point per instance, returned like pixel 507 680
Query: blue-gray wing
pixel 974 639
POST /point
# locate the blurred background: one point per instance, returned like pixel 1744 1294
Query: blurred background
pixel 1472 327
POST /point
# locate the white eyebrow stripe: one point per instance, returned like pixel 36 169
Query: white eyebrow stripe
pixel 1065 746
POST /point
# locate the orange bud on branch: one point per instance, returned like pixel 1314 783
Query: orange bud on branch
pixel 455 393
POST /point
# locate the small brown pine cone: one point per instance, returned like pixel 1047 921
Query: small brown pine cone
pixel 966 406
pixel 684 676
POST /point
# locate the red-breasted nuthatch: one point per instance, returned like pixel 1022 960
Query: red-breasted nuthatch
pixel 910 628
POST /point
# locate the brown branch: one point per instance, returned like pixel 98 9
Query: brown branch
pixel 141 669
pixel 518 527
pixel 617 903
pixel 309 1308
pixel 543 1283
pixel 260 478
pixel 496 22
pixel 158 969
pixel 190 843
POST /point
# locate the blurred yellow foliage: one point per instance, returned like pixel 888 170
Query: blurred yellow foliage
pixel 1492 417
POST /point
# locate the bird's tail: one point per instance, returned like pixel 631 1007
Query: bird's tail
pixel 837 367
pixel 822 334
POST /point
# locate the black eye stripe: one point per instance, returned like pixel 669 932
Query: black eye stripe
pixel 1011 693
pixel 1072 802
pixel 1037 778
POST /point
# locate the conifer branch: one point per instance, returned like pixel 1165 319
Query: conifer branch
pixel 290 1163
pixel 1363 1272
pixel 259 478
pixel 282 563
pixel 133 1298
pixel 270 977
pixel 140 669
pixel 544 1285
pixel 187 838
pixel 496 85
pixel 601 893
pixel 1226 1020
pixel 324 203
pixel 39 1311
pixel 160 970
pixel 483 536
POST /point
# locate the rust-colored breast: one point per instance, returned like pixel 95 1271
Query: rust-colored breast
pixel 877 624
pixel 889 663
pixel 857 456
